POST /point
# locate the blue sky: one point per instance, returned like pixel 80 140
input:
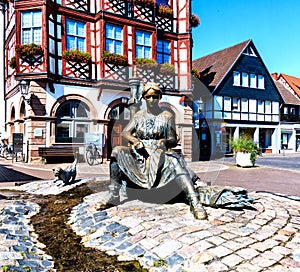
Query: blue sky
pixel 273 25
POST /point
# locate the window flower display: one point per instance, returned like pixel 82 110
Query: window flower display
pixel 75 55
pixel 29 50
pixel 145 63
pixel 165 11
pixel 114 58
pixel 145 3
pixel 167 69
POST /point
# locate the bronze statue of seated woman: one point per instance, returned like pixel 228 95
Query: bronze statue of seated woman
pixel 149 161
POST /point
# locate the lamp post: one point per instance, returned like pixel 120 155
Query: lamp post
pixel 24 89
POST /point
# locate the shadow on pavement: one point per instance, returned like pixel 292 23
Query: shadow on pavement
pixel 10 175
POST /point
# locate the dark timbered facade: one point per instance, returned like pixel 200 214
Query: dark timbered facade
pixel 240 98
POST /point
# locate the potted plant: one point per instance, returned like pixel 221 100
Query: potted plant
pixel 194 20
pixel 165 11
pixel 114 58
pixel 245 151
pixel 75 55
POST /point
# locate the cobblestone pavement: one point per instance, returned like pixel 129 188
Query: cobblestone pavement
pixel 165 237
pixel 19 247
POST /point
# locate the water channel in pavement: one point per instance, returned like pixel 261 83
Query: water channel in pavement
pixel 61 242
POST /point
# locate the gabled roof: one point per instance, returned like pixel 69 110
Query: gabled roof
pixel 287 96
pixel 214 67
pixel 293 82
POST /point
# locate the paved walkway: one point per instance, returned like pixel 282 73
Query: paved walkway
pixel 164 237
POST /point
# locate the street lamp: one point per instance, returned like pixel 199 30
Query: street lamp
pixel 24 89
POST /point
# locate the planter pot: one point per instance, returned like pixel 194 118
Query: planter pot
pixel 243 159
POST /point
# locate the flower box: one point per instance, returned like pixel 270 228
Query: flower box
pixel 29 50
pixel 75 55
pixel 145 3
pixel 145 63
pixel 165 11
pixel 167 69
pixel 194 20
pixel 113 58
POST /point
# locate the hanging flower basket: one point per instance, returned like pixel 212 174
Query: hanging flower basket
pixel 167 69
pixel 113 58
pixel 75 55
pixel 29 50
pixel 165 11
pixel 194 20
pixel 13 63
pixel 145 3
pixel 145 63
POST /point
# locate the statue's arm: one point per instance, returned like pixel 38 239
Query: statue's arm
pixel 128 133
pixel 171 139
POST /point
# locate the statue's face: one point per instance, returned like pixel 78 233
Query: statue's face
pixel 152 100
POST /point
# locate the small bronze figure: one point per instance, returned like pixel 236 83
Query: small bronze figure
pixel 149 160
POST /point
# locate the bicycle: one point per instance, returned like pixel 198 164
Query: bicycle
pixel 92 154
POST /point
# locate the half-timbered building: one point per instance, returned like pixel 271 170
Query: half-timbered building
pixel 289 128
pixel 82 61
pixel 242 98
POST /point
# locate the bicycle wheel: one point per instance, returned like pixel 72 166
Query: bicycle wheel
pixel 89 157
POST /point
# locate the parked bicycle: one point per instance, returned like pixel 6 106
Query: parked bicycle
pixel 93 154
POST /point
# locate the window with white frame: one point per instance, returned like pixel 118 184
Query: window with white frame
pixel 253 81
pixel 163 53
pixel 244 105
pixel 245 80
pixel 31 27
pixel 75 35
pixel 143 44
pixel 236 78
pixel 235 104
pixel 260 106
pixel 260 82
pixel 227 104
pixel 268 107
pixel 114 38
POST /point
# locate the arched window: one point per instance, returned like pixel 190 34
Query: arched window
pixel 73 122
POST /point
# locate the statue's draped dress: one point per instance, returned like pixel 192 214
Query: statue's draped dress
pixel 151 165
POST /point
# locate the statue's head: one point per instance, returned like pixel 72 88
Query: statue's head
pixel 151 88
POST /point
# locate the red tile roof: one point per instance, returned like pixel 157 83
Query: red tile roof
pixel 293 82
pixel 215 66
pixel 287 95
